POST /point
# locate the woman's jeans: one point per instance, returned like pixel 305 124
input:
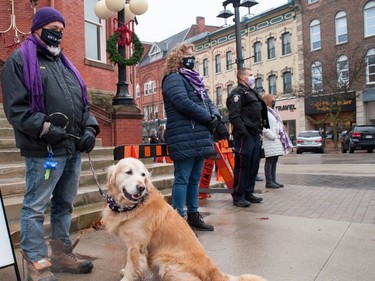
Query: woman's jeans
pixel 270 169
pixel 62 184
pixel 187 174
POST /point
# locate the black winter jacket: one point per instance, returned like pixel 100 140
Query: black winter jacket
pixel 187 134
pixel 247 112
pixel 62 93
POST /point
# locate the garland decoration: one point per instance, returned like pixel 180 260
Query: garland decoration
pixel 117 38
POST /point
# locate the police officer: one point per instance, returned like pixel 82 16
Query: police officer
pixel 248 115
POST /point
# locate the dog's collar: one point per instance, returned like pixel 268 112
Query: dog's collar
pixel 115 207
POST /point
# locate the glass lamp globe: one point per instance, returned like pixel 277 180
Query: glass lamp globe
pixel 138 7
pixel 101 10
pixel 115 5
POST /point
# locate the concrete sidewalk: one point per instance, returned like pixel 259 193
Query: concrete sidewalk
pixel 320 227
pixel 277 247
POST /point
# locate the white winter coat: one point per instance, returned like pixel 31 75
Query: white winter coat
pixel 271 139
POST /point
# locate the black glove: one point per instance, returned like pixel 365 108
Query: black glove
pixel 87 141
pixel 55 134
pixel 221 132
pixel 212 124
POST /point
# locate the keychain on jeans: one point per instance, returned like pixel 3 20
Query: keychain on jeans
pixel 49 164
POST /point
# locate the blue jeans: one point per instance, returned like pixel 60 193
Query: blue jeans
pixel 187 174
pixel 270 169
pixel 62 185
pixel 246 165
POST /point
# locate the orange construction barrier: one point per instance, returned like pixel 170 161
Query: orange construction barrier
pixel 223 160
pixel 224 169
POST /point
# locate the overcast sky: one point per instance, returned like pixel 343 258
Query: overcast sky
pixel 165 18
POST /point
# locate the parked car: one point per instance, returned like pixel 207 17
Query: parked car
pixel 360 137
pixel 310 141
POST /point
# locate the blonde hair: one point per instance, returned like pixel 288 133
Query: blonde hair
pixel 268 98
pixel 174 59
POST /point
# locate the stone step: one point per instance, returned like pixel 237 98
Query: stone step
pixel 10 142
pixel 12 183
pixel 4 123
pixel 88 191
pixel 13 155
pixel 7 143
pixel 7 133
pixel 10 170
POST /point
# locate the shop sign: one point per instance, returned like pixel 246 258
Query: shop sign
pixel 330 103
pixel 290 107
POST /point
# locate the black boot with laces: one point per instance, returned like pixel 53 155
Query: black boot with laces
pixel 195 220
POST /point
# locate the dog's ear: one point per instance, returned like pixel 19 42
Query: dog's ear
pixel 111 175
pixel 148 180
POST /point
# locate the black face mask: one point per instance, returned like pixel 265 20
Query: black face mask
pixel 273 104
pixel 51 37
pixel 188 62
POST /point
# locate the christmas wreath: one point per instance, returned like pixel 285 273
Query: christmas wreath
pixel 117 58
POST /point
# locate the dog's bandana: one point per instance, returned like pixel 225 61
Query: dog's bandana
pixel 115 207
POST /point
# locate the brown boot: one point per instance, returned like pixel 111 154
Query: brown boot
pixel 63 259
pixel 38 270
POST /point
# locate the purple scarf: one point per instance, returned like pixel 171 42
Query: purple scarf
pixel 195 80
pixel 285 140
pixel 31 73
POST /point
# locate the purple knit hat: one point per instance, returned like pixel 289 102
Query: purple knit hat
pixel 44 16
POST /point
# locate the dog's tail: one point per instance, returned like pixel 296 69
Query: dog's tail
pixel 246 277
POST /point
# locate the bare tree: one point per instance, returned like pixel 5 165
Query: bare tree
pixel 332 84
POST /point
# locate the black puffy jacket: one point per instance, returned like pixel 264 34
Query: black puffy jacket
pixel 62 93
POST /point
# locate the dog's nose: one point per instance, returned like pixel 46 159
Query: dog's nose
pixel 140 188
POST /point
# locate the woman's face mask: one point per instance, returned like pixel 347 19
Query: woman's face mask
pixel 189 62
pixel 273 104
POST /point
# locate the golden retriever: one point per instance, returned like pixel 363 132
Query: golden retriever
pixel 160 245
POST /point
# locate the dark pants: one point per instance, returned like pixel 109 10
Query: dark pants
pixel 246 165
pixel 270 169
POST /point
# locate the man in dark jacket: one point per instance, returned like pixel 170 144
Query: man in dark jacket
pixel 248 115
pixel 45 100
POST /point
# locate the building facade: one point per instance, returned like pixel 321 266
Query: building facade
pixel 339 63
pixel 148 93
pixel 270 47
pixel 84 43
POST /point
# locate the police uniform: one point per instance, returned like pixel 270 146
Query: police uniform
pixel 248 115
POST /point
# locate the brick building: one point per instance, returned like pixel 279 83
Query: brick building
pixel 339 62
pixel 148 94
pixel 84 43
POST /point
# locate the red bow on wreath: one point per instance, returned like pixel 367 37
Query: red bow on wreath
pixel 125 33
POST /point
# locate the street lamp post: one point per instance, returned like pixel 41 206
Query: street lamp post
pixel 122 96
pixel 104 10
pixel 237 25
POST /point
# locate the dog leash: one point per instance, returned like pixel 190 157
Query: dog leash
pixel 95 177
pixel 60 119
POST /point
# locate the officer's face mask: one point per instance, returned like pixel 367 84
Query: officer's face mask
pixel 250 80
pixel 189 62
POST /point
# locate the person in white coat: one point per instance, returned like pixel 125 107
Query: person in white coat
pixel 276 142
